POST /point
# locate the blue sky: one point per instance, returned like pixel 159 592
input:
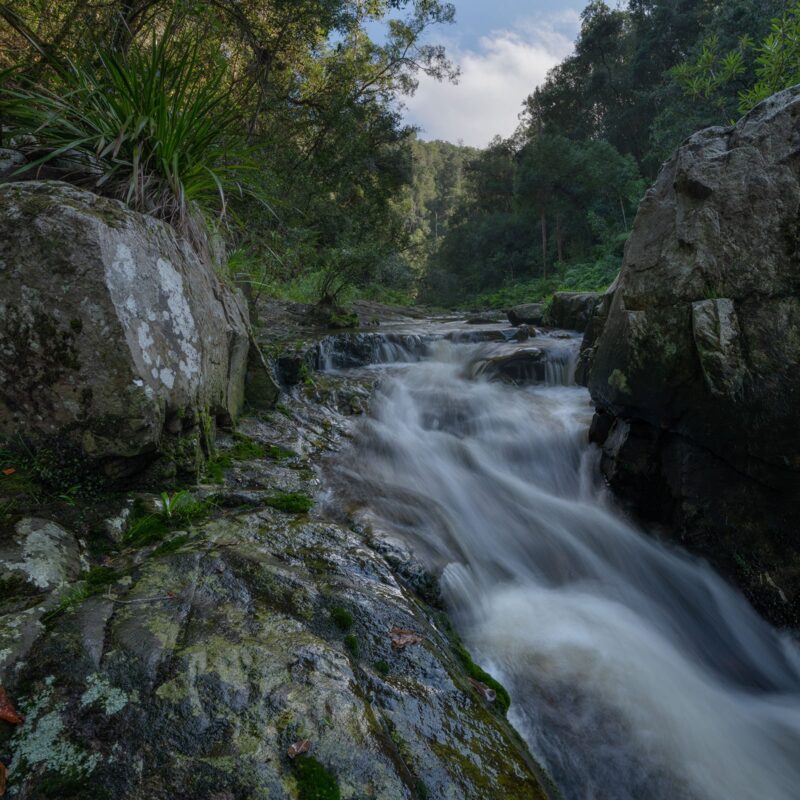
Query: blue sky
pixel 504 48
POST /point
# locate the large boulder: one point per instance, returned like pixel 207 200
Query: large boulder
pixel 527 314
pixel 571 310
pixel 695 353
pixel 116 339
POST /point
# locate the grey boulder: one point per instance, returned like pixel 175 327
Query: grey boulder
pixel 692 357
pixel 527 314
pixel 571 310
pixel 115 337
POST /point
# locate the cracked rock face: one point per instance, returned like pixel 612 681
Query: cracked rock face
pixel 113 334
pixel 694 352
pixel 194 674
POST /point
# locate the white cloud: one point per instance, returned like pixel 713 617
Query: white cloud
pixel 495 79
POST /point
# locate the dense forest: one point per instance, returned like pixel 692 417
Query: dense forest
pixel 276 126
pixel 552 206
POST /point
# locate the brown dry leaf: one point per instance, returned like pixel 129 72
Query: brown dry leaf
pixel 3 778
pixel 488 694
pixel 402 638
pixel 298 748
pixel 7 711
pixel 9 471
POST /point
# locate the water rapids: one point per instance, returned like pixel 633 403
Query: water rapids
pixel 635 671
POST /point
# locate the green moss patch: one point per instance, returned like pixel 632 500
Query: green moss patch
pixel 290 502
pixel 278 453
pixel 314 782
pixel 341 618
pixel 503 700
pixel 216 466
pixel 382 667
pixel 351 643
pixel 245 449
pixel 479 674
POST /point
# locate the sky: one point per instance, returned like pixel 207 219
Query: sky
pixel 504 49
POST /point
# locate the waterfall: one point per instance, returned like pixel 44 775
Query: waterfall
pixel 635 671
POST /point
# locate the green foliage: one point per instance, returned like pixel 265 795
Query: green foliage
pixel 545 214
pixel 177 510
pixel 282 114
pixel 172 545
pixel 278 453
pixel 290 502
pixel 341 618
pixel 145 529
pixel 351 643
pixel 181 507
pixel 314 782
pixel 775 64
pixel 382 667
pixel 245 448
pixel 94 582
pixel 49 468
pixel 153 126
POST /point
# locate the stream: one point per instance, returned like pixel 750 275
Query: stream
pixel 635 671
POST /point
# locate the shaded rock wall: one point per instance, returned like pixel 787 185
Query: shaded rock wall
pixel 571 310
pixel 692 357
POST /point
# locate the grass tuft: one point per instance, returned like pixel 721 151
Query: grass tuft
pixel 342 618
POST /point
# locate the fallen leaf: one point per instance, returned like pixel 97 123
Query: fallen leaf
pixel 3 778
pixel 298 748
pixel 7 711
pixel 402 638
pixel 9 471
pixel 489 694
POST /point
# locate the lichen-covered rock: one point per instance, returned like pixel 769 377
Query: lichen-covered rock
pixel 692 357
pixel 10 161
pixel 40 553
pixel 192 675
pixel 571 310
pixel 114 336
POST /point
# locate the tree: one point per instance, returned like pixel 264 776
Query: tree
pixel 755 70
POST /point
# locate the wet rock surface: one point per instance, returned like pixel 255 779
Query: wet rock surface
pixel 571 310
pixel 187 665
pixel 691 358
pixel 527 314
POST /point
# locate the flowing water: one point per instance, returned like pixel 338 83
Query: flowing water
pixel 635 671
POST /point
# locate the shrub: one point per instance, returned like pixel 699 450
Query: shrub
pixel 153 127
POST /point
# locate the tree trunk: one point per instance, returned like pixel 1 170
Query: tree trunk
pixel 559 242
pixel 544 244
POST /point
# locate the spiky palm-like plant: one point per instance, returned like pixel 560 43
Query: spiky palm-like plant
pixel 154 127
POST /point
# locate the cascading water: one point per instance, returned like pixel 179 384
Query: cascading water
pixel 635 671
